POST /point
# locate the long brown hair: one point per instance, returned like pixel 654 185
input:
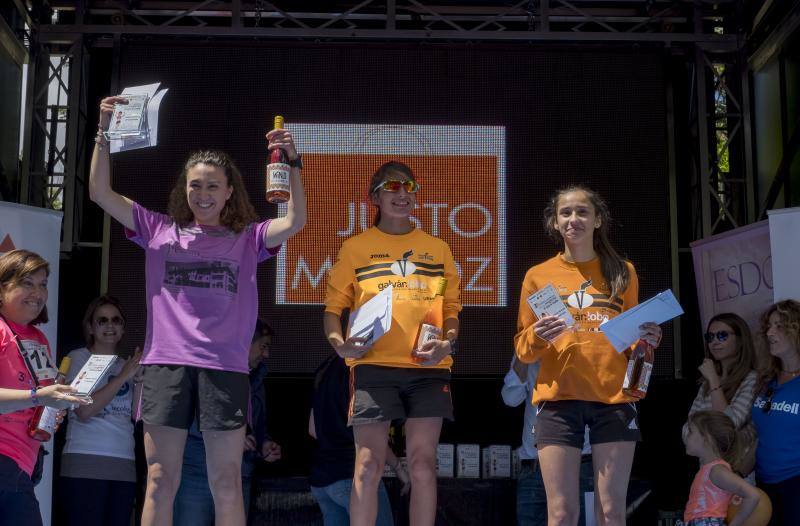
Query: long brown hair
pixel 719 430
pixel 16 266
pixel 746 358
pixel 237 213
pixel 383 173
pixel 789 315
pixel 88 316
pixel 612 265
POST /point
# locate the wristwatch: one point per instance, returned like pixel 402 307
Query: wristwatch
pixel 296 163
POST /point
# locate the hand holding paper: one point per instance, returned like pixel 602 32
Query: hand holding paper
pixel 370 321
pixel 554 317
pixel 624 330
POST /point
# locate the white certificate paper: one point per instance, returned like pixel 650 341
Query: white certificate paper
pixel 547 302
pixel 374 318
pixel 623 330
pixel 95 368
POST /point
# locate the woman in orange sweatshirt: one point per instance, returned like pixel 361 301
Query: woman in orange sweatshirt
pixel 397 376
pixel 580 379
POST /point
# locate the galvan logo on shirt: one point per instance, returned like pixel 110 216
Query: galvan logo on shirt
pixel 580 299
pixel 403 267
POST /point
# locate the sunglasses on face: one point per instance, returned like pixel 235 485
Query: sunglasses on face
pixel 719 335
pixel 392 185
pixel 116 320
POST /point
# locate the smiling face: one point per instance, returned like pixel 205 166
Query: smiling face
pixel 21 302
pixel 207 191
pixel 397 205
pixel 107 325
pixel 576 218
pixel 727 349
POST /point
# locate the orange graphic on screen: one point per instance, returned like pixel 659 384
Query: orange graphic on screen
pixel 457 202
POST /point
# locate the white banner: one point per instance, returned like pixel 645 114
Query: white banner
pixel 37 230
pixel 784 234
pixel 734 273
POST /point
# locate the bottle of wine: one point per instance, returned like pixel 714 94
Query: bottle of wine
pixel 640 366
pixel 278 170
pixel 44 422
pixel 432 324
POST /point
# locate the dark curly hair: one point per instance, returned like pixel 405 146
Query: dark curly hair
pixel 237 213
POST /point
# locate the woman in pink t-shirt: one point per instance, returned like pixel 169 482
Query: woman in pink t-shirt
pixel 713 438
pixel 23 294
pixel 202 303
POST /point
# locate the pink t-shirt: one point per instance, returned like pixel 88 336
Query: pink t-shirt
pixel 202 298
pixel 15 442
pixel 705 499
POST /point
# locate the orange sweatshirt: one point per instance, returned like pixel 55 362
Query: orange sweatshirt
pixel 413 263
pixel 580 364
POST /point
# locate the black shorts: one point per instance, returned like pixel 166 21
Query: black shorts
pixel 563 423
pixel 381 394
pixel 174 395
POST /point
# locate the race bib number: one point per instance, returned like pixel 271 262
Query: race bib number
pixel 39 359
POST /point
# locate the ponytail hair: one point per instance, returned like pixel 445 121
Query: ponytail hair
pixel 613 266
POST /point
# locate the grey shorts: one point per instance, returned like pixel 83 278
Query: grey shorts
pixel 174 395
pixel 381 394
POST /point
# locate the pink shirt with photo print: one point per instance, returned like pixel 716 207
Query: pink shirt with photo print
pixel 202 298
pixel 15 442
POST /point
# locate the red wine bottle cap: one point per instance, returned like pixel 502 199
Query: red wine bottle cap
pixel 278 122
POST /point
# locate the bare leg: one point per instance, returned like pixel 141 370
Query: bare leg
pixel 371 443
pixel 163 447
pixel 612 471
pixel 422 437
pixel 224 460
pixel 561 470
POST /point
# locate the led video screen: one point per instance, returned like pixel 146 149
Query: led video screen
pixel 490 132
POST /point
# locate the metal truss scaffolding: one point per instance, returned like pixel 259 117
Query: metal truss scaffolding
pixel 705 33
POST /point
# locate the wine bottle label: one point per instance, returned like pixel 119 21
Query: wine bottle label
pixel 626 384
pixel 47 422
pixel 644 377
pixel 428 333
pixel 278 177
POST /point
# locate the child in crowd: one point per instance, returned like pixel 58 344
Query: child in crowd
pixel 713 439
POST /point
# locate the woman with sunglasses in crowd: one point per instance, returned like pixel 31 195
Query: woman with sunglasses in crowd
pixel 776 413
pixel 580 377
pixel 98 464
pixel 202 304
pixel 394 378
pixel 25 361
pixel 728 371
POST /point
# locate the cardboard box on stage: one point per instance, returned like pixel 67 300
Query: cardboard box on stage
pixel 468 458
pixel 445 460
pixel 497 462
